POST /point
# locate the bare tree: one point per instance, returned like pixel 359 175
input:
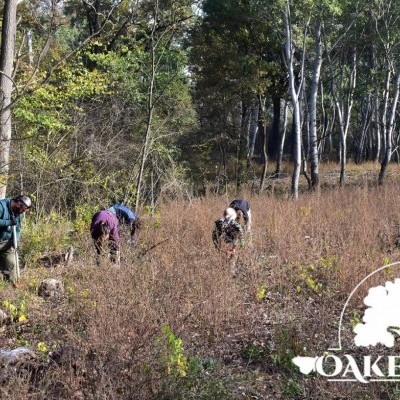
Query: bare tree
pixel 295 98
pixel 386 28
pixel 6 87
pixel 150 107
pixel 261 101
pixel 282 140
pixel 388 129
pixel 344 105
pixel 316 73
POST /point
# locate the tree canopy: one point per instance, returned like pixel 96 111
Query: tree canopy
pixel 139 100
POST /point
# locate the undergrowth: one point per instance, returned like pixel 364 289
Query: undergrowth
pixel 172 323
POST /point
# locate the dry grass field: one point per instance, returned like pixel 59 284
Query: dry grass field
pixel 174 324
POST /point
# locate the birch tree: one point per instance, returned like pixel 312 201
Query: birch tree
pixel 294 91
pixel 389 127
pixel 344 100
pixel 315 79
pixel 310 16
pixel 386 26
pixel 321 15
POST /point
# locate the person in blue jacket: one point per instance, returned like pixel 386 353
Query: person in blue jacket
pixel 126 217
pixel 242 208
pixel 11 210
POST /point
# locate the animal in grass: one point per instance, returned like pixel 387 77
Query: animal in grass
pixel 242 208
pixel 128 218
pixel 105 235
pixel 228 233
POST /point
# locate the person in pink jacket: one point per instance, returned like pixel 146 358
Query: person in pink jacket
pixel 104 232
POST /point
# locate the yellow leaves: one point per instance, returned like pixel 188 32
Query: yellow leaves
pixel 304 211
pixel 42 348
pixel 18 312
pixel 315 277
pixel 261 293
pixel 176 360
pixel 181 365
pixel 356 319
pixel 386 260
pixel 11 308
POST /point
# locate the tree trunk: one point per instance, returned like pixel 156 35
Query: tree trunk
pixel 385 105
pixel 6 88
pixel 274 133
pixel 282 142
pixel 344 114
pixel 316 73
pixel 295 103
pixel 365 120
pixel 253 130
pixel 242 118
pixel 377 125
pixel 149 123
pixel 265 152
pixel 29 47
pixel 389 130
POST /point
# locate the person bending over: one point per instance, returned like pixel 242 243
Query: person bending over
pixel 105 235
pixel 228 232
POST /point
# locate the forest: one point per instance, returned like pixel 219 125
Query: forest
pixel 140 100
pixel 176 107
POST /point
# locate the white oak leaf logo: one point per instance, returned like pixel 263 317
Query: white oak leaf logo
pixel 305 364
pixel 381 319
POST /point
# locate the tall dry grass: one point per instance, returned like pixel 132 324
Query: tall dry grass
pixel 238 334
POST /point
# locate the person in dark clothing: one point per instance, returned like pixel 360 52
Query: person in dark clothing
pixel 242 208
pixel 227 232
pixel 11 212
pixel 104 232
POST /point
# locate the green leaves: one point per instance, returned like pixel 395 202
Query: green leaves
pixel 176 360
pixel 47 109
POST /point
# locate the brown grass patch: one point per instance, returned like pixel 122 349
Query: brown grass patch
pixel 238 335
